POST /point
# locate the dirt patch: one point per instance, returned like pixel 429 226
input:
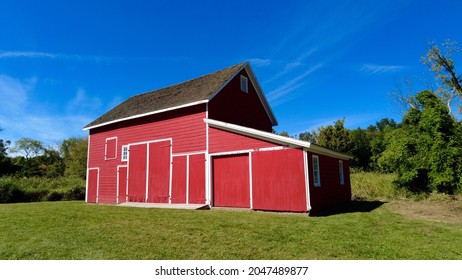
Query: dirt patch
pixel 438 211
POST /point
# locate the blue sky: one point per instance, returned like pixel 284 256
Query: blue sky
pixel 64 63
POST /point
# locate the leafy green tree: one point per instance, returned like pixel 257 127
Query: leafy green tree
pixel 360 148
pixel 425 150
pixel 307 136
pixel 6 166
pixel 74 151
pixel 27 164
pixel 28 147
pixel 335 137
pixel 51 164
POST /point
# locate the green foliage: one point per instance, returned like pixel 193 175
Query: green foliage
pixel 425 150
pixel 335 137
pixel 371 186
pixel 41 189
pixel 28 147
pixel 74 151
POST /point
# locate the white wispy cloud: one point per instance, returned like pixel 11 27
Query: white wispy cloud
pixel 257 62
pixel 82 101
pixel 285 92
pixel 6 54
pixel 30 54
pixel 380 69
pixel 23 116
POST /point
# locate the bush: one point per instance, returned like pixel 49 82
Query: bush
pixel 55 196
pixel 76 193
pixel 41 189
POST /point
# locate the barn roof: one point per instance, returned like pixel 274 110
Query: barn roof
pixel 185 94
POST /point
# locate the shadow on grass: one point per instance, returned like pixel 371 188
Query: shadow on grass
pixel 354 206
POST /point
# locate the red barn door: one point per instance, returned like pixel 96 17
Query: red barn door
pixel 92 185
pixel 231 186
pixel 122 184
pixel 179 180
pixel 159 172
pixel 137 173
pixel 197 179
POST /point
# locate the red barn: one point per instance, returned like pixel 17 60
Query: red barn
pixel 209 141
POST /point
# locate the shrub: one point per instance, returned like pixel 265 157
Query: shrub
pixel 41 189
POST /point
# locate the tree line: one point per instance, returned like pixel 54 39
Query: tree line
pixel 31 158
pixel 425 148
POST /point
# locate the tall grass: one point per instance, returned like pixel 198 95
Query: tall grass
pixel 375 186
pixel 14 189
pixel 380 186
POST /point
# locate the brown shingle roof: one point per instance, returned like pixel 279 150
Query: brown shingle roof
pixel 191 91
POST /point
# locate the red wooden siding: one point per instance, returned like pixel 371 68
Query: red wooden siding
pixel 184 126
pixel 92 185
pixel 197 179
pixel 331 193
pixel 225 141
pixel 137 168
pixel 122 184
pixel 179 179
pixel 234 106
pixel 278 180
pixel 159 172
pixel 231 187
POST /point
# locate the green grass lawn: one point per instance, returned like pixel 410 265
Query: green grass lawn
pixel 75 230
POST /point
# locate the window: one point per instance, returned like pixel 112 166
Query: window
pixel 124 153
pixel 316 172
pixel 111 148
pixel 244 84
pixel 340 170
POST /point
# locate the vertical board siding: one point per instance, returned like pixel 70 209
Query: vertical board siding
pixel 225 141
pixel 179 179
pixel 184 126
pixel 234 106
pixel 278 180
pixel 122 197
pixel 331 193
pixel 92 185
pixel 137 165
pixel 231 182
pixel 159 172
pixel 196 179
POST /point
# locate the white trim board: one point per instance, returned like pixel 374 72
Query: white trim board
pixel 274 138
pixel 147 114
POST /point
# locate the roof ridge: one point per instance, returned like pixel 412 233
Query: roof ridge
pixel 242 64
pixel 172 96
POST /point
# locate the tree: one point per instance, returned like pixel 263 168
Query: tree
pixel 441 63
pixel 425 149
pixel 6 166
pixel 307 136
pixel 28 147
pixel 74 151
pixel 335 137
pixel 51 164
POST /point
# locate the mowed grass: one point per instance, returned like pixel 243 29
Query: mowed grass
pixel 75 230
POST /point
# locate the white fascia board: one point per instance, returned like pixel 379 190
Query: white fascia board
pixel 148 114
pixel 274 138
